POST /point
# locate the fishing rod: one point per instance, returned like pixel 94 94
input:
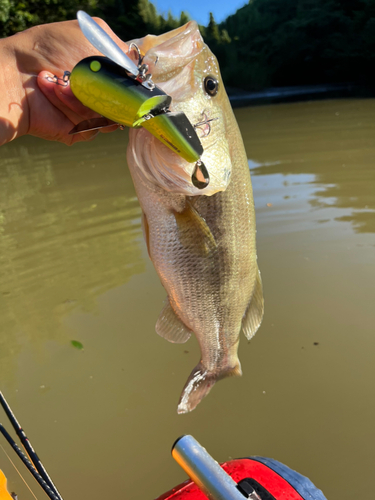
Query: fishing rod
pixel 51 494
pixel 35 466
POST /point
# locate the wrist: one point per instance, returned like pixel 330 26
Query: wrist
pixel 13 103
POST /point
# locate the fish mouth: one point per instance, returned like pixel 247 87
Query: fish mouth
pixel 204 125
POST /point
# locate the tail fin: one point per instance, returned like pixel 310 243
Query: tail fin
pixel 199 384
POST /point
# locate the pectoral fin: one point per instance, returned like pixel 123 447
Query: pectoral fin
pixel 194 232
pixel 254 314
pixel 170 326
pixel 146 232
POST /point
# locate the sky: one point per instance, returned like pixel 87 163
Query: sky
pixel 200 10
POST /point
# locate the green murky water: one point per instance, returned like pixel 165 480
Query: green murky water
pixel 73 266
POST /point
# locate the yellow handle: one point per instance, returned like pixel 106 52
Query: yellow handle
pixel 4 495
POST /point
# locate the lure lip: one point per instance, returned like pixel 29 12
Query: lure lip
pixel 104 43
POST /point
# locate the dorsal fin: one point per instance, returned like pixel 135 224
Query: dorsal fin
pixel 254 314
pixel 170 327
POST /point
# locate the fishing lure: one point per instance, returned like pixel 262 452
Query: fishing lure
pixel 124 94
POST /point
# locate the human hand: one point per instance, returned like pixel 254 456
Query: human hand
pixel 35 105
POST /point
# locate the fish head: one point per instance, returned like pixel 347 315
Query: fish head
pixel 183 66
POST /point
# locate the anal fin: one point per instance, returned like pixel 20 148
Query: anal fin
pixel 170 327
pixel 254 314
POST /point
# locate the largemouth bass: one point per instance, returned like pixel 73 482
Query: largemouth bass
pixel 201 241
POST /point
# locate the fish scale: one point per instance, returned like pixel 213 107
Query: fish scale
pixel 202 242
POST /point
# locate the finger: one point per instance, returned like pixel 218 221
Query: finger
pixel 67 102
pixel 50 122
pixel 66 96
pixel 63 98
pixel 48 88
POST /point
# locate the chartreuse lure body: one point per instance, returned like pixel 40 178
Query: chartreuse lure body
pixel 105 87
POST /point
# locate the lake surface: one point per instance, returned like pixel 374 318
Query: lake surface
pixel 74 266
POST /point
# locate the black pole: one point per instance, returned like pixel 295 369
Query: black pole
pixel 27 445
pixel 51 494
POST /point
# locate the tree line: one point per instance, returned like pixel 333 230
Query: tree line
pixel 128 18
pixel 265 43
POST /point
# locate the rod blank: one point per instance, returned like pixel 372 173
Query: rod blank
pixel 28 447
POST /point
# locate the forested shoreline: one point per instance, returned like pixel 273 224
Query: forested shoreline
pixel 264 44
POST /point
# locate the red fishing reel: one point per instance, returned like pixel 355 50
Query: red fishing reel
pixel 255 478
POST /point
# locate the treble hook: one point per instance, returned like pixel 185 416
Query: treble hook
pixel 142 68
pixel 63 82
pixel 134 46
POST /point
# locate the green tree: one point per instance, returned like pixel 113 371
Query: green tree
pixel 212 31
pixel 18 15
pixel 127 18
pixel 293 42
pixel 265 43
pixel 184 18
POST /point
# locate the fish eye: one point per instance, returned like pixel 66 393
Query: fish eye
pixel 211 85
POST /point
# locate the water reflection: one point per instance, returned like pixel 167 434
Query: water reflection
pixel 333 141
pixel 71 245
pixel 69 231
